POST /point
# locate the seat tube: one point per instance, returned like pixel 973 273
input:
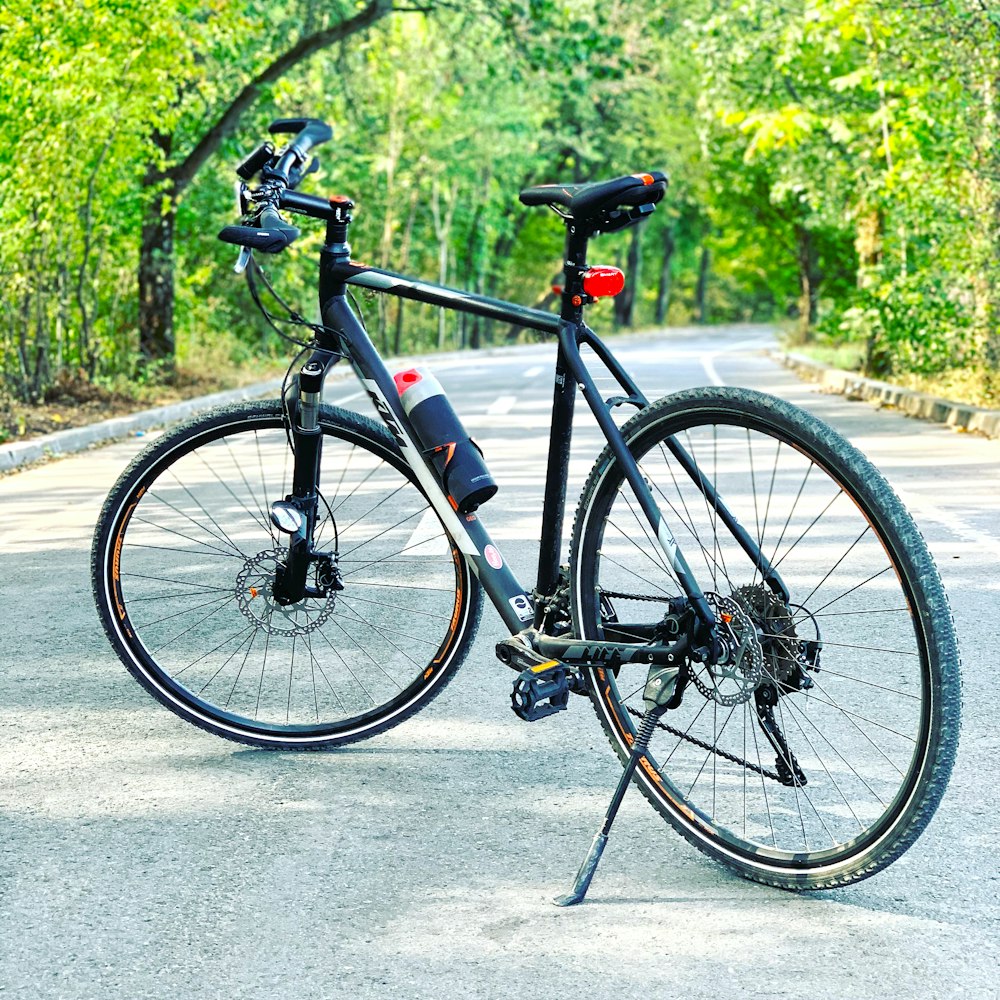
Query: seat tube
pixel 561 432
pixel 556 472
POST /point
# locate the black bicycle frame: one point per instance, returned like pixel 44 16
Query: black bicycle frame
pixel 508 595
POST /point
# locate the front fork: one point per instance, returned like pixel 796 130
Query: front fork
pixel 297 514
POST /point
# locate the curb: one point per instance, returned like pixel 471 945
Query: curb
pixel 22 453
pixel 13 456
pixel 922 406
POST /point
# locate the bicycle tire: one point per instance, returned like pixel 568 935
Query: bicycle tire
pixel 875 736
pixel 183 552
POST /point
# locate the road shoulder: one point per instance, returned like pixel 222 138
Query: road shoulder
pixel 921 405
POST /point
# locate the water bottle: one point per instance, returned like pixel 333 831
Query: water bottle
pixel 455 456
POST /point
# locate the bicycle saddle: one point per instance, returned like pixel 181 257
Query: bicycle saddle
pixel 586 200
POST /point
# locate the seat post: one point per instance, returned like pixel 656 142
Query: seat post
pixel 574 265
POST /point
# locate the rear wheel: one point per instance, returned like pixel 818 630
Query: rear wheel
pixel 184 557
pixel 822 757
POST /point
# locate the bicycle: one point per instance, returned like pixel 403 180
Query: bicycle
pixel 748 606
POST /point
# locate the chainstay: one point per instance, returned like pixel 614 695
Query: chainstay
pixel 732 758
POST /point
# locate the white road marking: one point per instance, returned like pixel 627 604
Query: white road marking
pixel 427 538
pixel 707 360
pixel 347 399
pixel 532 372
pixel 501 405
pixel 925 510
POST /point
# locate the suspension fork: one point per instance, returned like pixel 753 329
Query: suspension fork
pixel 297 514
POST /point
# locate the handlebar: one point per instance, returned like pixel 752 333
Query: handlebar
pixel 280 172
pixel 308 132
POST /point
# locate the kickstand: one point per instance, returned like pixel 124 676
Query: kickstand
pixel 659 690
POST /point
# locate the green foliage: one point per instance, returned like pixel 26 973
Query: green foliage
pixel 835 162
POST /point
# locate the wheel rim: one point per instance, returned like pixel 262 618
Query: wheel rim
pixel 192 552
pixel 860 733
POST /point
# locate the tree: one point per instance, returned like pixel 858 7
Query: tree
pixel 168 176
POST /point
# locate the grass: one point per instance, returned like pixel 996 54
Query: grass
pixel 74 400
pixel 969 384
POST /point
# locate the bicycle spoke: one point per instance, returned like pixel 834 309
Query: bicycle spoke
pixel 180 534
pixel 262 520
pixel 385 632
pixel 396 607
pixel 222 536
pixel 858 586
pixel 186 611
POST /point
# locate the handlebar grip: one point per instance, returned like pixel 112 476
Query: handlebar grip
pixel 308 132
pixel 255 161
pixel 272 234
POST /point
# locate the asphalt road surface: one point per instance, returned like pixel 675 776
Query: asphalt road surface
pixel 141 857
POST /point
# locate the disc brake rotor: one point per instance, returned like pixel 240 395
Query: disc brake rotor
pixel 255 597
pixel 777 626
pixel 740 666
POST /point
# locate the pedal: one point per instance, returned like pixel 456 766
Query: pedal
pixel 541 690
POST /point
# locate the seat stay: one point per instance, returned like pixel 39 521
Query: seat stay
pixel 569 343
pixel 769 574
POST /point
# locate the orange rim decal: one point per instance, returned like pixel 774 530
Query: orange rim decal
pixel 116 559
pixel 456 612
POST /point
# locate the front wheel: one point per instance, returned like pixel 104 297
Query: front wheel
pixel 822 757
pixel 184 560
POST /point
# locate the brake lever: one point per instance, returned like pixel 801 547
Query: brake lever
pixel 296 175
pixel 242 260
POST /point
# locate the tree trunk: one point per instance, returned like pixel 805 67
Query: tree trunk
pixel 156 287
pixel 404 256
pixel 810 277
pixel 663 291
pixel 397 339
pixel 701 289
pixel 156 264
pixel 442 230
pixel 625 300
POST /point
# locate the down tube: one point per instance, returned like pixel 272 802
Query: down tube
pixel 468 532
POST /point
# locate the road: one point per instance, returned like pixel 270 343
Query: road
pixel 141 857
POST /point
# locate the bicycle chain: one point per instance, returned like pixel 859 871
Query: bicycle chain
pixel 732 758
pixel 636 597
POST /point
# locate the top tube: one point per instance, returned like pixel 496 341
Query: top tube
pixel 438 295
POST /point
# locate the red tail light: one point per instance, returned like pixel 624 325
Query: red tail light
pixel 601 282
